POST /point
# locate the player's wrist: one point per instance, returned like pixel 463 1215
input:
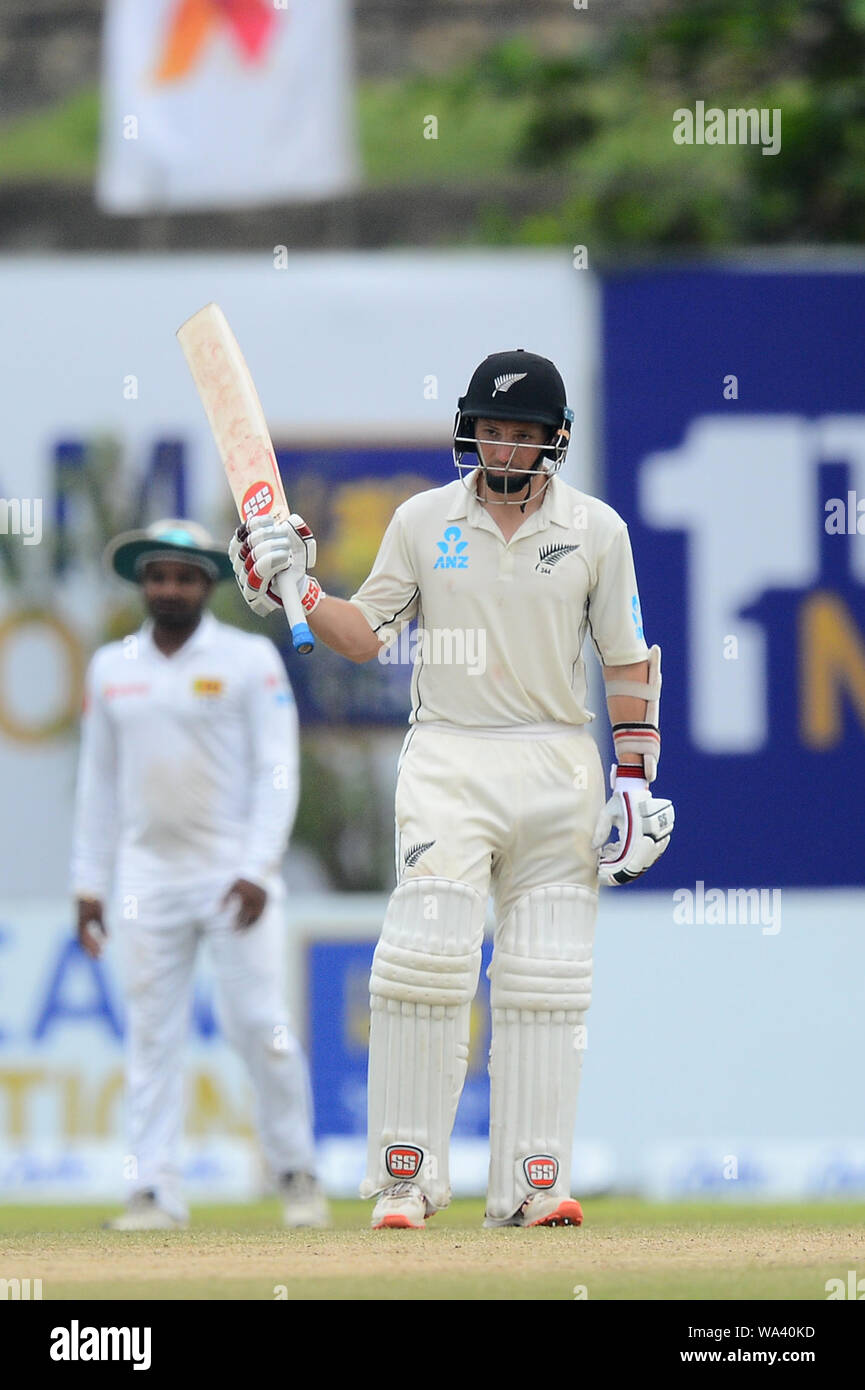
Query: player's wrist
pixel 630 777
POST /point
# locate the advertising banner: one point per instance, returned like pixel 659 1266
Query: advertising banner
pixel 62 1023
pixel 225 103
pixel 734 447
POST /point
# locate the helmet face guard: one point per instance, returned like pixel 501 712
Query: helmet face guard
pixel 518 387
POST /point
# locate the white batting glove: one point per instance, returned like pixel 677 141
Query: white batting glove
pixel 263 549
pixel 644 822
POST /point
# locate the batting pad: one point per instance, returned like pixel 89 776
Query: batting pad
pixel 424 977
pixel 540 989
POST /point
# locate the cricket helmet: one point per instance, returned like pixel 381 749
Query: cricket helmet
pixel 520 386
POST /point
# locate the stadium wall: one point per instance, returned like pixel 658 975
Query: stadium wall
pixel 722 1057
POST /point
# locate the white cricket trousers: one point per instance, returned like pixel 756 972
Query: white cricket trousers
pixel 249 971
pixel 504 813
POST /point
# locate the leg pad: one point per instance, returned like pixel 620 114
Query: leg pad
pixel 424 977
pixel 540 989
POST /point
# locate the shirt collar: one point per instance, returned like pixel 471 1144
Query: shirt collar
pixel 555 507
pixel 463 495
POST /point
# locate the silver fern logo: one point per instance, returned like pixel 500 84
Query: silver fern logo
pixel 550 555
pixel 414 853
pixel 504 383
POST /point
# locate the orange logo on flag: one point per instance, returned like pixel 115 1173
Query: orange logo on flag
pixel 251 21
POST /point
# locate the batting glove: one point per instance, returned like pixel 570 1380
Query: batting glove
pixel 263 549
pixel 644 822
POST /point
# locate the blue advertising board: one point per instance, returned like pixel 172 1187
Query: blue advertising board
pixel 734 447
pixel 338 1003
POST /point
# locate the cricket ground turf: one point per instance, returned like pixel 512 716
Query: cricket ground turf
pixel 626 1249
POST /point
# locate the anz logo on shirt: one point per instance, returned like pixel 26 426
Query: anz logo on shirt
pixel 453 556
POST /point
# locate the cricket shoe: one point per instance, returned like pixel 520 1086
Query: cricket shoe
pixel 303 1202
pixel 143 1213
pixel 544 1209
pixel 402 1206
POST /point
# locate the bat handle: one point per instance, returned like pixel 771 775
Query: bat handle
pixel 301 636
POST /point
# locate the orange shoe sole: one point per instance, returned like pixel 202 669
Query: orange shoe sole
pixel 567 1213
pixel 398 1223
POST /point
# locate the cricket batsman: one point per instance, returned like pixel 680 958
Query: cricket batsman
pixel 187 791
pixel 500 788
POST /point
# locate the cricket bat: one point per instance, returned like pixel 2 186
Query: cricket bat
pixel 240 430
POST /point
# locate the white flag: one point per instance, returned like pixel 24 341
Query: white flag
pixel 225 103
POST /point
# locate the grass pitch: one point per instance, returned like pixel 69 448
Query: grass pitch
pixel 627 1249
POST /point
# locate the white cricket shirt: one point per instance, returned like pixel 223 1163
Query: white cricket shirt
pixel 188 768
pixel 503 622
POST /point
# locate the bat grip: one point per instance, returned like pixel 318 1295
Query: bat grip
pixel 302 639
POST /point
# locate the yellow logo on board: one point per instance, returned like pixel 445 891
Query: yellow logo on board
pixel 832 668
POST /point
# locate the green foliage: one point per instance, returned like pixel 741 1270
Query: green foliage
pixel 604 119
pixel 59 143
pixel 343 816
pixel 476 135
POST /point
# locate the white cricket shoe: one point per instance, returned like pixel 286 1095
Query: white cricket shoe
pixel 544 1209
pixel 303 1202
pixel 402 1206
pixel 143 1213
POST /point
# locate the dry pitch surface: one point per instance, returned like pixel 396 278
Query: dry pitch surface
pixel 627 1249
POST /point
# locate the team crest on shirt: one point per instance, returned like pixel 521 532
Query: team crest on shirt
pixel 111 692
pixel 452 551
pixel 208 686
pixel 550 555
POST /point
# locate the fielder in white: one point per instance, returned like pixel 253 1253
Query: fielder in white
pixel 500 787
pixel 187 791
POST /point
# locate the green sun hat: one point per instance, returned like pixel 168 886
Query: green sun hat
pixel 172 539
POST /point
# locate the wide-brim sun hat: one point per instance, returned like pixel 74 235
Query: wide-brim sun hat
pixel 171 539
